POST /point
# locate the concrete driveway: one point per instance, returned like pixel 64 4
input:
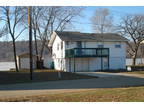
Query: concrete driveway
pixel 53 87
pixel 99 74
pixel 106 74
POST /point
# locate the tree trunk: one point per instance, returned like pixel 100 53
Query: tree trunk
pixel 36 48
pixel 134 61
pixel 42 50
pixel 134 57
pixel 15 59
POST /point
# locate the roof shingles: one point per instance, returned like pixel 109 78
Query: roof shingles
pixel 77 36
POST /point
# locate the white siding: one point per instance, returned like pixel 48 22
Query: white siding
pixel 24 63
pixel 117 56
pixel 58 53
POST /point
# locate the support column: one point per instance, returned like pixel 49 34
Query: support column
pixel 88 65
pixel 101 61
pixel 108 62
pixel 74 64
pixel 69 64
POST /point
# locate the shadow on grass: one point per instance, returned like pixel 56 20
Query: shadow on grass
pixel 11 77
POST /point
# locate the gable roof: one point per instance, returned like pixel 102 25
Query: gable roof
pixel 77 36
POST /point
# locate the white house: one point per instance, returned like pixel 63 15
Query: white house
pixel 75 51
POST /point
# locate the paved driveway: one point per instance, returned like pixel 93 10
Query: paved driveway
pixel 99 74
pixel 106 74
pixel 53 87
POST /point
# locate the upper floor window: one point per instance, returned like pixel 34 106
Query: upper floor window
pixel 57 46
pixel 100 46
pixel 61 45
pixel 67 43
pixel 117 46
pixel 79 44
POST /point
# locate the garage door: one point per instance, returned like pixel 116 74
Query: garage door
pixel 24 63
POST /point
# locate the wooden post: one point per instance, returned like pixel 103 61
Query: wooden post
pixel 30 42
pixel 69 64
pixel 108 59
pixel 74 64
pixel 101 61
pixel 88 65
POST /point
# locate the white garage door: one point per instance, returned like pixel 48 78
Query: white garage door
pixel 24 63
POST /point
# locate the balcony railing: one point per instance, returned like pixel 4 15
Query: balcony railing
pixel 87 52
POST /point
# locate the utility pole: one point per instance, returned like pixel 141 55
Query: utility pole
pixel 30 42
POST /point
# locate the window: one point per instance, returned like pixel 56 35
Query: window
pixel 102 52
pixel 117 46
pixel 79 44
pixel 57 46
pixel 99 52
pixel 61 45
pixel 67 43
pixel 100 46
pixel 84 44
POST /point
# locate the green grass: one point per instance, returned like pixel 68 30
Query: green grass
pixel 130 94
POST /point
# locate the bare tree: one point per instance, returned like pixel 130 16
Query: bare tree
pixel 132 26
pixel 36 14
pixel 49 19
pixel 12 16
pixel 3 31
pixel 101 21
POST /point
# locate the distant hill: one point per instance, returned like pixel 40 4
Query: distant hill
pixel 6 49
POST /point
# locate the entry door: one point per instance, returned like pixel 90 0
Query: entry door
pixel 79 45
pixel 105 63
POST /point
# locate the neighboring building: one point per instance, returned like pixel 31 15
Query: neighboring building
pixel 75 51
pixel 23 61
pixel 47 61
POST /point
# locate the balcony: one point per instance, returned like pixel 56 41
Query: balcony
pixel 87 52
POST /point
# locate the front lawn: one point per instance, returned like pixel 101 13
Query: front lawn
pixel 135 72
pixel 131 94
pixel 12 77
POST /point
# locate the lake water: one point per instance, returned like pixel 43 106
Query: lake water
pixel 9 65
pixel 138 61
pixel 6 65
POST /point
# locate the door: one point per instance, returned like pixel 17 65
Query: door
pixel 105 63
pixel 79 45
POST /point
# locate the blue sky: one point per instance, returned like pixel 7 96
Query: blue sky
pixel 116 11
pixel 83 24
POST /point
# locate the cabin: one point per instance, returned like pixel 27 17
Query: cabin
pixel 23 61
pixel 79 52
